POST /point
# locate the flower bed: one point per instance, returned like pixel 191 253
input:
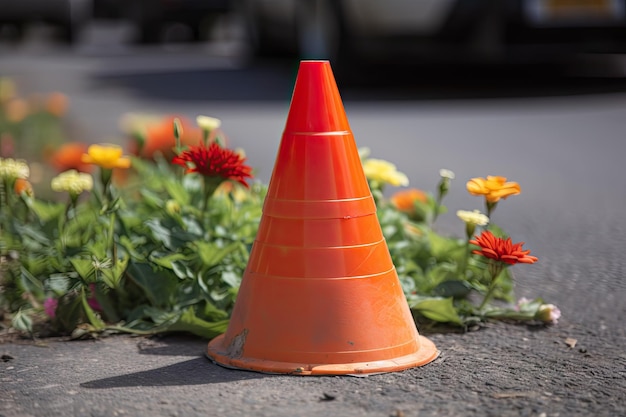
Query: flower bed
pixel 157 240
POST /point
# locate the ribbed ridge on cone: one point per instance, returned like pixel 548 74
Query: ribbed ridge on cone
pixel 318 168
pixel 320 294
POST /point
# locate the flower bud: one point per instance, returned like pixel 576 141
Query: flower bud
pixel 548 313
pixel 208 123
pixel 172 207
pixel 23 186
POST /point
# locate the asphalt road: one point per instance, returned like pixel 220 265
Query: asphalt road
pixel 560 137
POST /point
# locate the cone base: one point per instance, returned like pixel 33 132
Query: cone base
pixel 427 353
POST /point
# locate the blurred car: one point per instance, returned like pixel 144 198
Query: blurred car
pixel 342 30
pixel 150 16
pixel 68 16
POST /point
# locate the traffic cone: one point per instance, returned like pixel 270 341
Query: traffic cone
pixel 320 294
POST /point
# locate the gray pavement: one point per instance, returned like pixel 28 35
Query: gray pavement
pixel 566 152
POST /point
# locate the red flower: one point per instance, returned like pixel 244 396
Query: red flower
pixel 214 161
pixel 501 249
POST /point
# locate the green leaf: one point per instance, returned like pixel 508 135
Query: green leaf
pixel 437 309
pixel 113 276
pixel 159 316
pixel 84 267
pixel 178 192
pixel 211 312
pixel 453 288
pixel 167 261
pixel 47 211
pixel 69 312
pixel 32 236
pixel 22 321
pixel 231 278
pixel 150 198
pixel 159 286
pixel 29 282
pixel 211 254
pixel 93 318
pixel 59 283
pixel 445 248
pixel 439 273
pixel 160 233
pixel 188 322
pixel 130 246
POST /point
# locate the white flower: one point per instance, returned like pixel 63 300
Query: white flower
pixel 473 217
pixel 446 173
pixel 72 181
pixel 208 123
pixel 13 169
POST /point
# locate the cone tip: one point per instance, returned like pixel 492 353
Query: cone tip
pixel 316 105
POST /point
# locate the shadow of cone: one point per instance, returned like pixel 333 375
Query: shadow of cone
pixel 320 294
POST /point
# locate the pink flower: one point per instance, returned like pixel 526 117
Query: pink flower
pixel 50 307
pixel 521 303
pixel 92 301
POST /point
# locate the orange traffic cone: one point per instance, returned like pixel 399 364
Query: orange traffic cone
pixel 320 295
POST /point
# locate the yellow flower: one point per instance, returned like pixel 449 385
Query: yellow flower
pixel 106 156
pixel 384 172
pixel 12 169
pixel 72 181
pixel 208 123
pixel 473 217
pixel 493 188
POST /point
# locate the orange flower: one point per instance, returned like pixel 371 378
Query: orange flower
pixel 16 110
pixel 159 137
pixel 493 188
pixel 502 250
pixel 56 104
pixel 405 200
pixel 69 156
pixel 23 186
